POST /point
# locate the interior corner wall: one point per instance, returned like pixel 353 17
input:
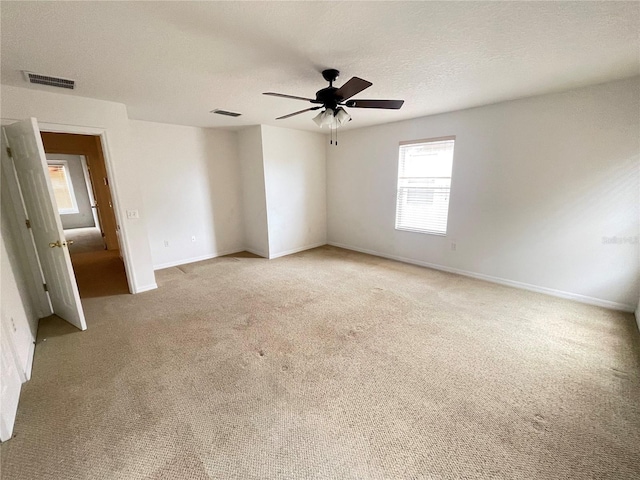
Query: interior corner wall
pixel 295 184
pixel 544 195
pixel 256 229
pixel 192 192
pixel 63 110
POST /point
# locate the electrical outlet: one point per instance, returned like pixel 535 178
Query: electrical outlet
pixel 453 246
pixel 166 243
pixel 193 238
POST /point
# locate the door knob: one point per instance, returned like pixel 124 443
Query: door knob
pixel 60 244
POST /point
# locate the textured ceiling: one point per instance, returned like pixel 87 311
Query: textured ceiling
pixel 173 62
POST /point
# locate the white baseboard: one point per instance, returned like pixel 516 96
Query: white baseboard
pixel 502 281
pixel 146 288
pixel 30 355
pixel 296 250
pixel 185 261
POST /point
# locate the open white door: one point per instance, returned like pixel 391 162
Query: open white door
pixel 27 151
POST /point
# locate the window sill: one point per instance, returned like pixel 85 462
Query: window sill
pixel 426 232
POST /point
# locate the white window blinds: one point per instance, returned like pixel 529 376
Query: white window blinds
pixel 424 183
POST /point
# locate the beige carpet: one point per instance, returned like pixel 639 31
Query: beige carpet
pixel 331 364
pixel 100 273
pixel 84 240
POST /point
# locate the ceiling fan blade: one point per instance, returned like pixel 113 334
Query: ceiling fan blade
pixel 298 113
pixel 352 87
pixel 288 96
pixel 390 104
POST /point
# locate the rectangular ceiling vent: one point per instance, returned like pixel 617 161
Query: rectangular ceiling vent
pixel 226 113
pixel 50 81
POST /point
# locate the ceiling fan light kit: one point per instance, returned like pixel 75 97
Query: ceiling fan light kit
pixel 324 118
pixel 332 118
pixel 342 116
pixel 333 100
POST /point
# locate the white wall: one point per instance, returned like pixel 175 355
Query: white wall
pixel 84 217
pixel 17 311
pixel 256 230
pixel 192 187
pixel 537 184
pixel 13 319
pixel 295 184
pixel 66 110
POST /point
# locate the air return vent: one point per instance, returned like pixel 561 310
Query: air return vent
pixel 51 81
pixel 225 112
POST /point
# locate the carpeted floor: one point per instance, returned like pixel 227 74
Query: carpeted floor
pixel 84 240
pixel 99 273
pixel 330 364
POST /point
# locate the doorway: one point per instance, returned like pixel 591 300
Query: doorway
pixel 75 198
pixel 81 185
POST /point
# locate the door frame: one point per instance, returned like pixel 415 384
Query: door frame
pixel 92 199
pixel 125 249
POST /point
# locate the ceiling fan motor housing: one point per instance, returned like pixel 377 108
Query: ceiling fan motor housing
pixel 327 97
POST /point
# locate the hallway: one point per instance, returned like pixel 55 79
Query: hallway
pixel 99 272
pixel 84 240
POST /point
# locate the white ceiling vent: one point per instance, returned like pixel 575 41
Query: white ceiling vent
pixel 47 80
pixel 225 112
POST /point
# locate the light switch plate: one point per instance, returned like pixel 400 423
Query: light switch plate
pixel 132 214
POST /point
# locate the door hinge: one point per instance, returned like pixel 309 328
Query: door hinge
pixel 9 152
pixel 28 223
pixel 106 181
pixel 44 285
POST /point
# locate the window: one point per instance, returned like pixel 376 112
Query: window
pixel 62 187
pixel 424 183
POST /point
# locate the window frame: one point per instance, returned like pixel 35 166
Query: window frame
pixel 419 142
pixel 65 165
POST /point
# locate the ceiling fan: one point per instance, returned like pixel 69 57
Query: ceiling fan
pixel 333 100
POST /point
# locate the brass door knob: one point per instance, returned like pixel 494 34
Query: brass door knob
pixel 60 244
